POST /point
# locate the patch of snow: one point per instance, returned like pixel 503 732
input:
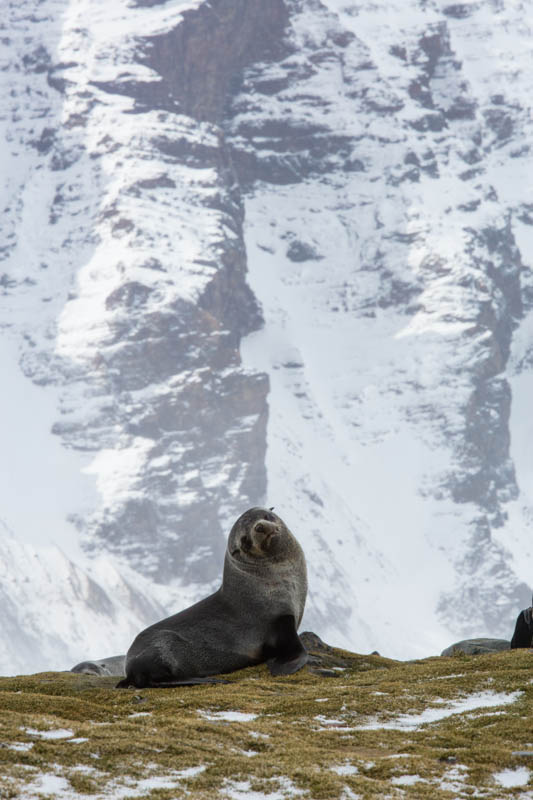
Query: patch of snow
pixel 408 780
pixel 519 776
pixel 22 746
pixel 241 790
pixel 454 778
pixel 85 770
pixel 115 470
pixel 345 769
pixel 159 782
pixel 325 721
pixel 470 703
pixel 57 733
pixel 190 772
pixel 348 794
pixel 38 463
pixel 228 716
pixel 53 785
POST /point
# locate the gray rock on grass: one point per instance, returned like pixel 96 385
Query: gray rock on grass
pixel 474 647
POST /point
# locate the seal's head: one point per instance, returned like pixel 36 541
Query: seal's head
pixel 257 535
pixel 264 569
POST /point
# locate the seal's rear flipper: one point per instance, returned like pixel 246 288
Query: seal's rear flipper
pixel 286 651
pixel 126 683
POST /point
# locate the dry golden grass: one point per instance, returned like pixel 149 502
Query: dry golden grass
pixel 305 726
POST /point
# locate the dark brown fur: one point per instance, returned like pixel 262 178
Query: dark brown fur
pixel 253 617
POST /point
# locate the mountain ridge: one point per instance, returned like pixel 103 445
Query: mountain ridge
pixel 273 253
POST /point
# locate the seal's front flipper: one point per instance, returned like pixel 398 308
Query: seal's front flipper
pixel 281 666
pixel 285 649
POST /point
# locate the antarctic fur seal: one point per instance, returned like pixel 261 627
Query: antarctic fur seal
pixel 253 617
pixel 114 665
pixel 523 632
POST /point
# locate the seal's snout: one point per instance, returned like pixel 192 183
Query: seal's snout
pixel 266 527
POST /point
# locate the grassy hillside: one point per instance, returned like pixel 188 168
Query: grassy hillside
pixel 347 727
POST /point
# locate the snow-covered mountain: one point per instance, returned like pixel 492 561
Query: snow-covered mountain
pixel 265 253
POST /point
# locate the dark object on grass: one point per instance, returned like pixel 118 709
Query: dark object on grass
pixel 312 641
pixel 523 632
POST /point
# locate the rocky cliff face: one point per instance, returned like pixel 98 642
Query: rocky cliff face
pixel 383 151
pixel 365 163
pixel 143 217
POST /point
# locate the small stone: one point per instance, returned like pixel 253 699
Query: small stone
pixel 312 641
pixel 326 673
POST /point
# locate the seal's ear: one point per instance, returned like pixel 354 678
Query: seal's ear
pixel 271 509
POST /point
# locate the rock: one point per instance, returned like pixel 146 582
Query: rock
pixel 312 641
pixel 474 647
pixel 301 251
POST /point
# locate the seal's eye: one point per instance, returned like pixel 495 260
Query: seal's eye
pixel 268 516
pixel 246 543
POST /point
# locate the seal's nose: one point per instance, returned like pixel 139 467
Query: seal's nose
pixel 265 526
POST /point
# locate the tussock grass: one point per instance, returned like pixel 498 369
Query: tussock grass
pixel 307 727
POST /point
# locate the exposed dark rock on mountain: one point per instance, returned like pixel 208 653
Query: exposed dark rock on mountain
pixel 201 58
